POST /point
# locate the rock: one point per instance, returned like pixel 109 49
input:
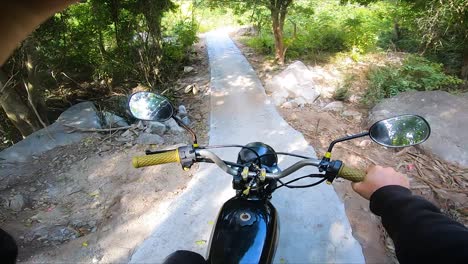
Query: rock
pixel 351 113
pixel 197 116
pixel 334 106
pixel 141 125
pixel 247 31
pixel 287 105
pixel 354 98
pixel 182 110
pixel 32 189
pixel 293 82
pixel 141 88
pixel 186 120
pixel 300 102
pixel 195 89
pixel 188 88
pixel 154 127
pixel 17 203
pixel 149 139
pixel 188 69
pixel 51 233
pixel 127 133
pixel 364 143
pixel 447 115
pixel 106 148
pixel 172 125
pixel 82 115
pixel 111 120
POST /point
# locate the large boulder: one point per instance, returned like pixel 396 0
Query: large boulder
pixel 82 115
pixel 296 81
pixel 447 114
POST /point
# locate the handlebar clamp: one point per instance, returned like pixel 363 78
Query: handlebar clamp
pixel 187 156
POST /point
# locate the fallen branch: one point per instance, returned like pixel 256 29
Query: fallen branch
pixel 95 129
pixel 30 100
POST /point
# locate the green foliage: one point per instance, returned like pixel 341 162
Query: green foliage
pixel 415 74
pixel 342 93
pixel 262 43
pixel 330 27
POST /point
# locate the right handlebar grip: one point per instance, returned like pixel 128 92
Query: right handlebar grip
pixel 351 174
pixel 156 159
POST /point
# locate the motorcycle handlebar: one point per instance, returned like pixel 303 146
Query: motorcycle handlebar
pixel 156 159
pixel 221 164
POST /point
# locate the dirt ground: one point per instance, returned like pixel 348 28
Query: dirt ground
pixel 86 203
pixel 442 183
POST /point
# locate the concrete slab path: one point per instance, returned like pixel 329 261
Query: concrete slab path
pixel 313 224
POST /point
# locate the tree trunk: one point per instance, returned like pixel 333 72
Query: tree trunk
pixel 32 84
pixel 278 36
pixel 17 110
pixel 279 10
pixel 464 69
pixel 114 8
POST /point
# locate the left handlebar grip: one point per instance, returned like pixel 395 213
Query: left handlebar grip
pixel 156 159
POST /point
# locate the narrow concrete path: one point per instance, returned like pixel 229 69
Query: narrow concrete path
pixel 313 224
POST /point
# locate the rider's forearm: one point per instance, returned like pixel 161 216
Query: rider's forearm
pixel 421 233
pixel 19 18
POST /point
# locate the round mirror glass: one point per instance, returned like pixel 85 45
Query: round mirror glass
pixel 400 131
pixel 150 106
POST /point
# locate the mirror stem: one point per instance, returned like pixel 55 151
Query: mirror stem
pixel 332 144
pixel 180 123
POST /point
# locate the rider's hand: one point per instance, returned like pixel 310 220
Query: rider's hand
pixel 378 177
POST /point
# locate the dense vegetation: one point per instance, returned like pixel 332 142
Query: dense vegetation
pixel 99 48
pixel 93 49
pixel 436 32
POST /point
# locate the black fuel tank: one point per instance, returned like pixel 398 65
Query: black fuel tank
pixel 246 232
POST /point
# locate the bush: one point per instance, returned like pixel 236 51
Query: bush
pixel 342 93
pixel 333 28
pixel 415 74
pixel 262 43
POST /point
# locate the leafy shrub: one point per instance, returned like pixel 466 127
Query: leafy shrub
pixel 333 28
pixel 416 74
pixel 342 93
pixel 262 43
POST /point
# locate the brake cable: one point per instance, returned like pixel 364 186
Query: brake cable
pixel 236 146
pixel 300 178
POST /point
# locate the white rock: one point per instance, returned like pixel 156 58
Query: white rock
pixel 300 102
pixel 188 88
pixel 195 89
pixel 293 82
pixel 334 106
pixel 287 105
pixel 188 69
pixel 364 143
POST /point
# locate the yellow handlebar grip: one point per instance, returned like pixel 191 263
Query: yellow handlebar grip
pixel 156 159
pixel 351 174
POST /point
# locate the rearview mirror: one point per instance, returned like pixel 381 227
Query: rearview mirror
pixel 400 131
pixel 150 107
